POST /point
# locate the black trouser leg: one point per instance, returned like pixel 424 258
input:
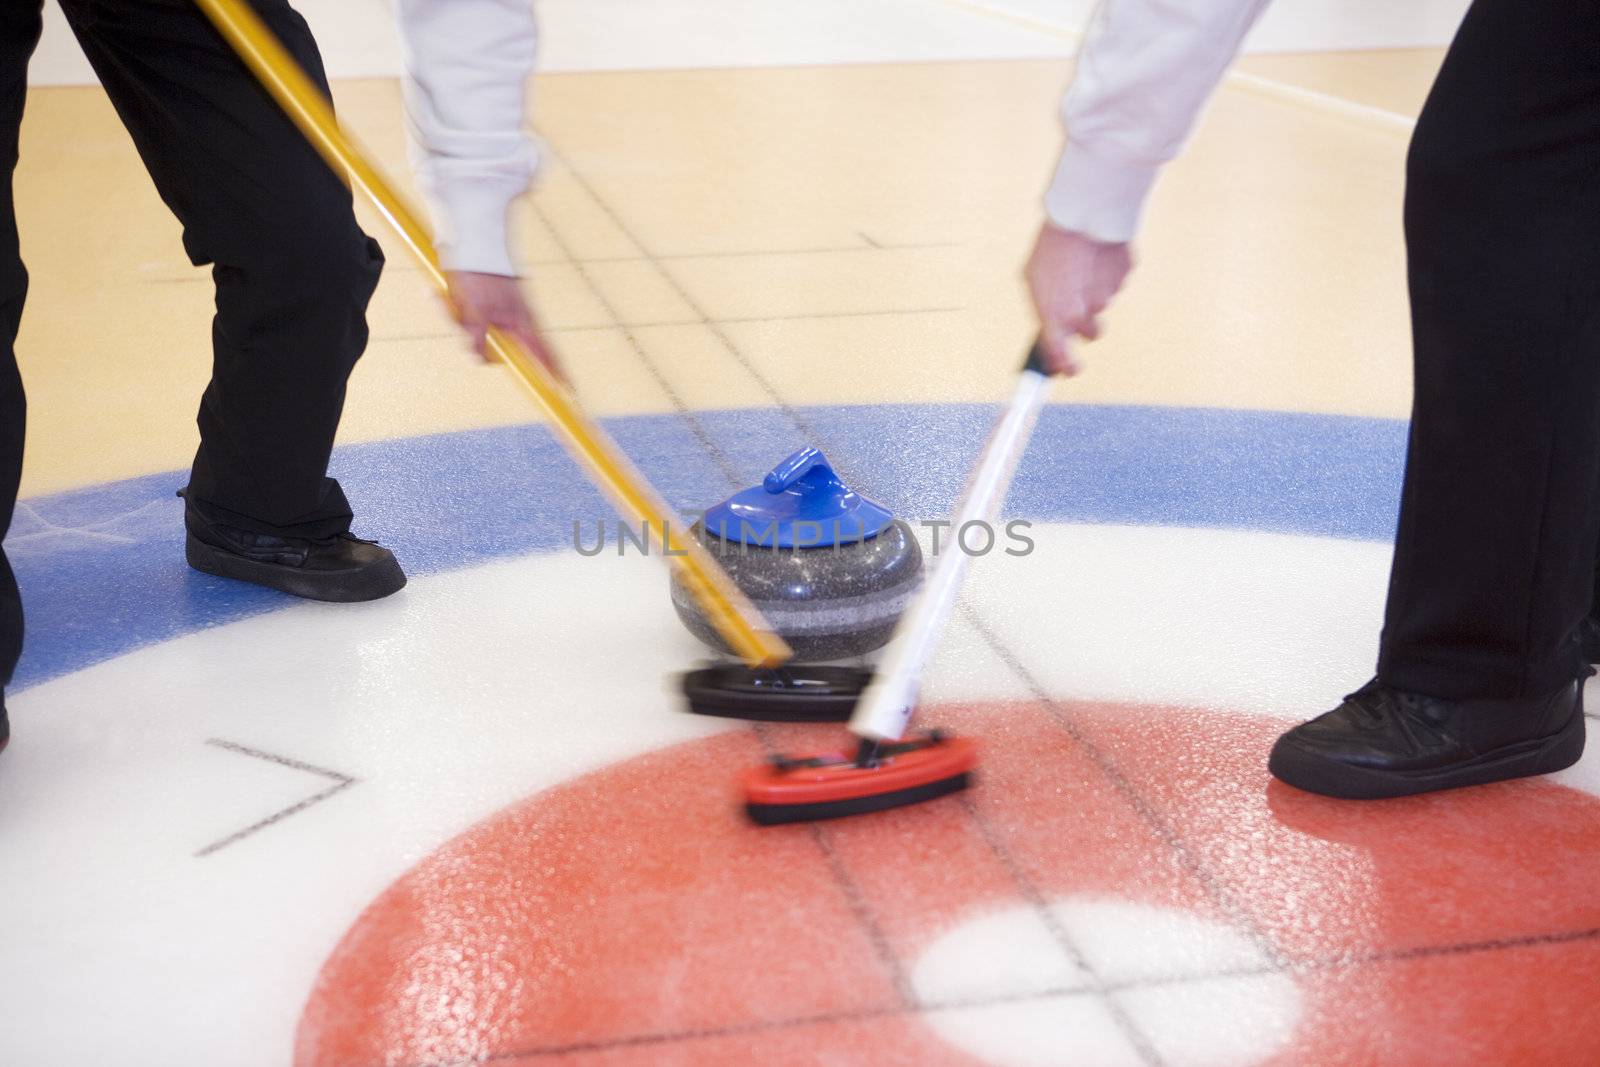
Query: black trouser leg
pixel 1495 553
pixel 19 32
pixel 293 270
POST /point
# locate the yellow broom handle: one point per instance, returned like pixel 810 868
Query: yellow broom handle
pixel 734 617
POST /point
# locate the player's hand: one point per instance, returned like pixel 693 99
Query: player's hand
pixel 480 301
pixel 1072 278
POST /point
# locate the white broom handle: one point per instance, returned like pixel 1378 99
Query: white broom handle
pixel 885 708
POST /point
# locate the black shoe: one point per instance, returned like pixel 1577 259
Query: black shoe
pixel 342 568
pixel 1383 742
pixel 5 725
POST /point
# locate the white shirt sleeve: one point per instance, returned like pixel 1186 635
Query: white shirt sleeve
pixel 467 65
pixel 1145 70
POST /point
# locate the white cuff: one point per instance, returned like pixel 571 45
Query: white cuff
pixel 474 226
pixel 1097 197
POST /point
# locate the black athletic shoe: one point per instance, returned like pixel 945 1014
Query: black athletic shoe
pixel 1382 742
pixel 344 568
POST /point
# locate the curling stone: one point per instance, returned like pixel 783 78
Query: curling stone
pixel 831 570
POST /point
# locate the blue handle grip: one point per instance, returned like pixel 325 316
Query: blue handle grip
pixel 791 470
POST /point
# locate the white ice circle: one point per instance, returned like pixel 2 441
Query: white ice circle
pixel 1004 987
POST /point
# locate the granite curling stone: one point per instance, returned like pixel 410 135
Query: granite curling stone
pixel 831 570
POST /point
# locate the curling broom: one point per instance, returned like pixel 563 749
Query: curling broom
pixel 884 771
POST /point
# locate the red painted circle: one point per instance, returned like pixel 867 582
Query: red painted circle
pixel 632 917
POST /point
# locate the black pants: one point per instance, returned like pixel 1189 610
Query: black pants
pixel 1494 562
pixel 293 271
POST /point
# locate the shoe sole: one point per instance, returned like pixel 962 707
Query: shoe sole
pixel 1295 766
pixel 372 582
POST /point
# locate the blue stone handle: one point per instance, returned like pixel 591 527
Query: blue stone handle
pixel 795 468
